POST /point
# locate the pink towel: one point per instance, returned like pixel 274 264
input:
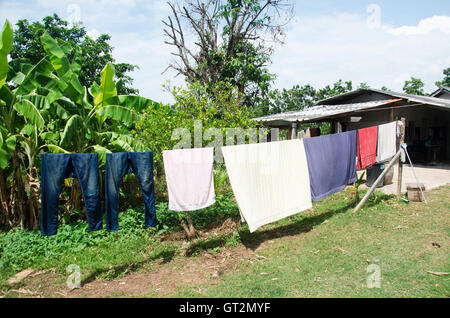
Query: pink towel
pixel 190 179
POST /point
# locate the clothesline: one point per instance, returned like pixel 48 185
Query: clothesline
pixel 270 181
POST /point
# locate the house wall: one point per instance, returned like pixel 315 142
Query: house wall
pixel 422 117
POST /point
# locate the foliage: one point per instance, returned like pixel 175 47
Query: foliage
pixel 165 127
pixel 20 249
pixel 446 80
pixel 299 97
pixel 45 108
pixel 94 55
pixel 231 42
pixel 359 181
pixel 414 86
pixel 295 98
pixel 217 106
pixel 339 87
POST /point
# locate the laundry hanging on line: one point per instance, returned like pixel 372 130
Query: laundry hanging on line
pixel 119 164
pixel 367 147
pixel 331 163
pixel 57 167
pixel 269 180
pixel 387 141
pixel 190 178
pixel 326 164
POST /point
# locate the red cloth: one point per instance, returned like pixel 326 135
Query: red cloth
pixel 367 147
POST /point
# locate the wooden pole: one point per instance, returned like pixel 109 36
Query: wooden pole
pixel 380 177
pixel 400 164
pixel 339 127
pixel 294 131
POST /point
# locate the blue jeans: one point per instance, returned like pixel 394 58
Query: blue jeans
pixel 119 164
pixel 54 169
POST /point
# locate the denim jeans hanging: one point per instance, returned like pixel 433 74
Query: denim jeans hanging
pixel 57 167
pixel 118 165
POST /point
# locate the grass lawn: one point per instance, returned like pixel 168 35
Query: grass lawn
pixel 323 252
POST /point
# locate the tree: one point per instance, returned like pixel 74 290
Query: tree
pixel 230 41
pixel 94 55
pixel 363 85
pixel 339 87
pixel 48 109
pixel 446 79
pixel 217 106
pixel 280 101
pixel 414 86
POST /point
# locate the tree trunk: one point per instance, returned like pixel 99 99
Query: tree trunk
pixel 20 201
pixel 189 229
pixel 75 195
pixel 34 204
pixel 5 208
pixel 192 229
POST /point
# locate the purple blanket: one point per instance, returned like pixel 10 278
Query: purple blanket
pixel 331 163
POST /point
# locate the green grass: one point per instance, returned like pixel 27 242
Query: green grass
pixel 330 259
pixel 319 253
pixel 101 254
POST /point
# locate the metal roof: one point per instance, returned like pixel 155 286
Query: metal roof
pixel 320 111
pixel 408 97
pixel 441 90
pixel 333 106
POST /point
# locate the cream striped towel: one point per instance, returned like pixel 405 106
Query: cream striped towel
pixel 270 181
pixel 387 141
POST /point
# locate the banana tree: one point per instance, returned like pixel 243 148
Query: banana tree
pixel 44 107
pixel 20 121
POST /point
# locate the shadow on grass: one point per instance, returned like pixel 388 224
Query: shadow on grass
pixel 205 245
pixel 254 240
pixel 166 255
pixel 249 240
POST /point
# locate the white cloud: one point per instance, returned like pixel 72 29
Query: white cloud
pixel 425 26
pixel 322 49
pixel 126 3
pixel 319 50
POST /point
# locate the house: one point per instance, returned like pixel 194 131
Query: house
pixel 442 92
pixel 427 118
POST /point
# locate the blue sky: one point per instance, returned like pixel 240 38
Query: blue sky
pixel 377 42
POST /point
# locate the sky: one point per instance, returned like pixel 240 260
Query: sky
pixel 381 43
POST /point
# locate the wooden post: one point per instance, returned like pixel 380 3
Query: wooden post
pixel 289 133
pixel 380 177
pixel 294 131
pixel 339 127
pixel 400 164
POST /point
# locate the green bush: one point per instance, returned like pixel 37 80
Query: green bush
pixel 217 106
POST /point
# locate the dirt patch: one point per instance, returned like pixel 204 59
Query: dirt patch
pixel 166 278
pixel 226 227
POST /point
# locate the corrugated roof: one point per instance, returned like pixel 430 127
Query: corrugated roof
pixel 441 90
pixel 320 111
pixel 408 97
